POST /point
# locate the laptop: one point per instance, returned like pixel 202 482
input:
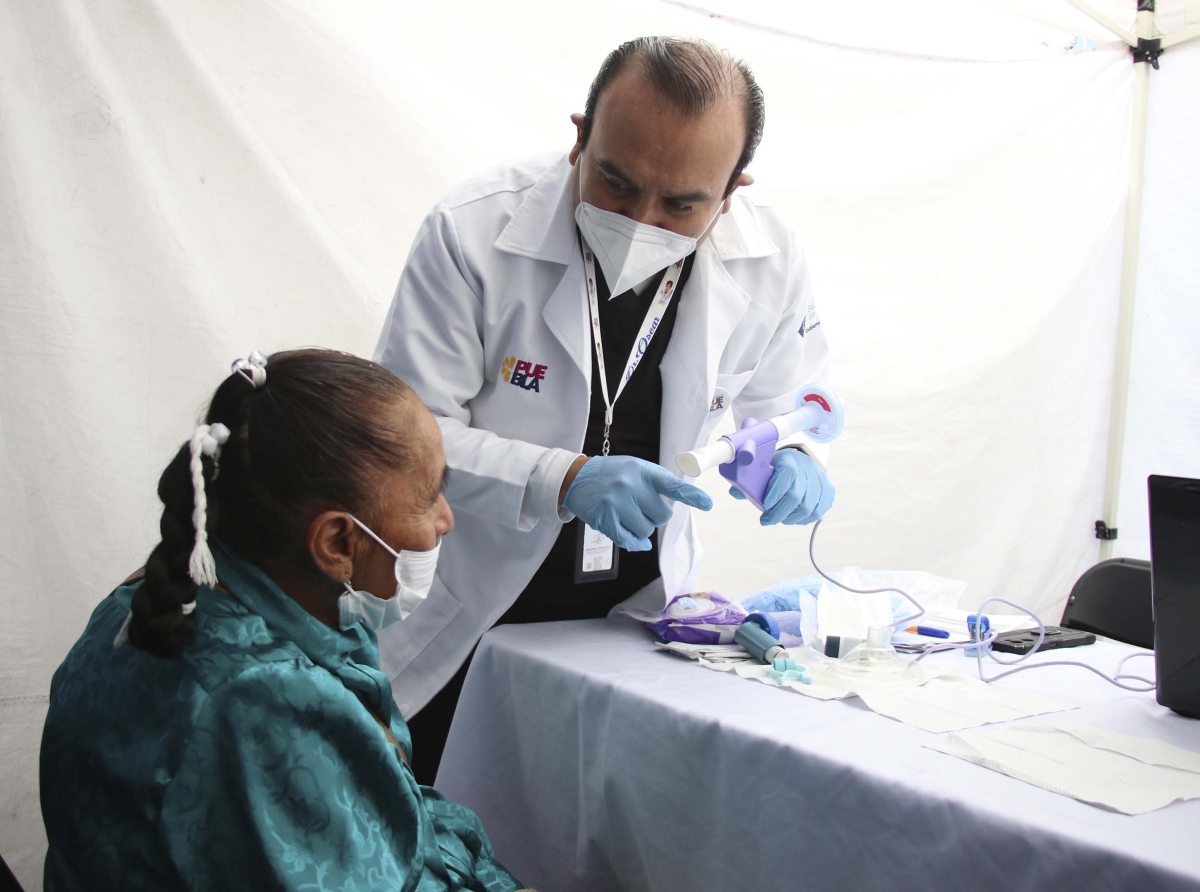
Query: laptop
pixel 1175 582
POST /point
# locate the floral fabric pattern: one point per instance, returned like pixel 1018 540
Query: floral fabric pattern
pixel 253 760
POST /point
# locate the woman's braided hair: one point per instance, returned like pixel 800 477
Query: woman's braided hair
pixel 313 437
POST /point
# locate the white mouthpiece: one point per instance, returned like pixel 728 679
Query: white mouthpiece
pixel 698 461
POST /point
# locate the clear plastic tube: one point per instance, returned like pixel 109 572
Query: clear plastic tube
pixel 1120 678
pixel 812 538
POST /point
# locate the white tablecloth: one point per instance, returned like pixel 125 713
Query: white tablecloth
pixel 596 762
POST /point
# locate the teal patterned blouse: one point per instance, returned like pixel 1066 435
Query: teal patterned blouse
pixel 252 761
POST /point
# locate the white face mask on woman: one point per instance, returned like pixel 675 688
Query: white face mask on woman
pixel 630 252
pixel 414 578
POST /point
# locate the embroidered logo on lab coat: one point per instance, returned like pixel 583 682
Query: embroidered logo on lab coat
pixel 719 401
pixel 523 373
pixel 810 320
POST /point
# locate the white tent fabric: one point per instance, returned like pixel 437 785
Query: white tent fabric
pixel 1163 433
pixel 182 182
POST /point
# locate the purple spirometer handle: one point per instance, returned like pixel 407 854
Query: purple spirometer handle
pixel 819 413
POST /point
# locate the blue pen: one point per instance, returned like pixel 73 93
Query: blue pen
pixel 928 631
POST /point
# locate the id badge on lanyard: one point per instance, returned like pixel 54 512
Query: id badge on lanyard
pixel 597 558
pixel 596 554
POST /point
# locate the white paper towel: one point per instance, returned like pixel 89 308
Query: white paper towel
pixel 713 653
pixel 953 702
pixel 923 696
pixel 1121 772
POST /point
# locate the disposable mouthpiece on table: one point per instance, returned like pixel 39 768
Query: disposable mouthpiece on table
pixel 787 669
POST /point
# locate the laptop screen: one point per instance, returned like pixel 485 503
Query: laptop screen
pixel 1175 574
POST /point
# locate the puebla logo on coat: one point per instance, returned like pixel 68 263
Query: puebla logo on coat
pixel 523 373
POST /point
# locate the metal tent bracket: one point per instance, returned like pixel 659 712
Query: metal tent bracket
pixel 1148 49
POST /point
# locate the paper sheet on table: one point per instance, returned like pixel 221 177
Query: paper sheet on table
pixel 1132 775
pixel 713 653
pixel 925 697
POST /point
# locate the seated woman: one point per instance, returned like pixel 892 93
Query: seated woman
pixel 223 723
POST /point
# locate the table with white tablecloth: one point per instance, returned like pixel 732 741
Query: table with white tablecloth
pixel 598 762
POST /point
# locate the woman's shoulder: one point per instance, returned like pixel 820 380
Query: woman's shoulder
pixel 231 641
pixel 237 657
pixel 234 665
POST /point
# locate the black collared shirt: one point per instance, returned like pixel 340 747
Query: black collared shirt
pixel 552 594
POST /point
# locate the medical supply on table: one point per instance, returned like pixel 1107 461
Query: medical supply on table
pixel 907 690
pixel 758 642
pixel 697 618
pixel 784 596
pixel 978 628
pixel 785 669
pixel 781 625
pixel 1128 774
pixel 831 613
pixel 714 654
pixel 926 697
pixel 836 646
pixel 874 656
pixel 755 635
pixel 982 637
pixel 928 631
pixel 954 621
pixel 744 457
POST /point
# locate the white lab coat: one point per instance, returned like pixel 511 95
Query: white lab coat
pixel 495 278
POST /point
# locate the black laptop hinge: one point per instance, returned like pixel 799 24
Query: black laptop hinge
pixel 1104 531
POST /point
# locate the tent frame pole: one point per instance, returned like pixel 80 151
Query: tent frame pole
pixel 1147 47
pixel 1098 17
pixel 1106 528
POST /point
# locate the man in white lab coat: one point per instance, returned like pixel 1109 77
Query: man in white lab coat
pixel 576 321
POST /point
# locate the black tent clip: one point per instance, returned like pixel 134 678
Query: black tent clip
pixel 1148 49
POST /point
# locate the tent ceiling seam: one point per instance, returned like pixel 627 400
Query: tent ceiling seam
pixel 875 51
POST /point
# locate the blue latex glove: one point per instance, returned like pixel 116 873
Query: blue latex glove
pixel 621 496
pixel 783 596
pixel 799 491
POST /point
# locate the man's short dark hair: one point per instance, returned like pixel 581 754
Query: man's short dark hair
pixel 692 75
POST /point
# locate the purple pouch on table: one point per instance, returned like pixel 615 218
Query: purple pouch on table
pixel 698 618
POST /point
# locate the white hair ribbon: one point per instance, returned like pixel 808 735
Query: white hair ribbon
pixel 253 369
pixel 207 440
